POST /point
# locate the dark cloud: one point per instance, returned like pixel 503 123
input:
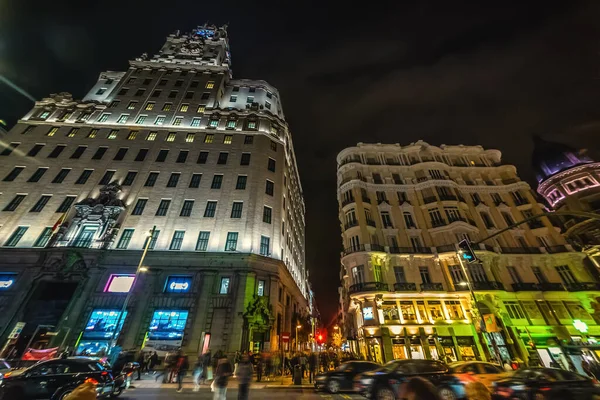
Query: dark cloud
pixel 489 73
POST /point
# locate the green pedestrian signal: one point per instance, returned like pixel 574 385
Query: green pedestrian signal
pixel 466 252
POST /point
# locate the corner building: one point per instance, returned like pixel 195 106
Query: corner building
pixel 403 210
pixel 173 143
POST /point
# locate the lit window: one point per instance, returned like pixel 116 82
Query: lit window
pixel 224 288
pixel 113 134
pixel 184 107
pixel 159 120
pixel 264 245
pixel 132 135
pixel 167 107
pixel 213 123
pixel 260 290
pixel 151 136
pixel 177 121
pixel 46 114
pixel 171 137
pixel 210 84
pixel 123 119
pixel 149 106
pixel 72 132
pixel 119 283
pixel 232 99
pixel 227 139
pixel 231 242
pixel 189 138
pixel 209 138
pixel 104 117
pixel 231 124
pixel 131 105
pixel 250 99
pixel 93 133
pixel 196 122
pixel 201 109
pixel 141 119
pixel 52 131
pixel 251 124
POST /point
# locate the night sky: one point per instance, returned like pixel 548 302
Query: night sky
pixel 492 73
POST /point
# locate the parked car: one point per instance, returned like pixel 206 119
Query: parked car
pixel 342 377
pixel 384 383
pixel 477 371
pixel 546 384
pixel 55 379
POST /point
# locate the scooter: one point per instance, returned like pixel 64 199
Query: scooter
pixel 123 379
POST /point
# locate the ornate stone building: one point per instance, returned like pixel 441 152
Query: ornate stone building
pixel 173 143
pixel 403 210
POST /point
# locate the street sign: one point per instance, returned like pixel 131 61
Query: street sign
pixel 16 330
pixel 285 337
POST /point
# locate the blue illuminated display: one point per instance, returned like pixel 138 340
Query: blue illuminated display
pixel 7 281
pixel 102 324
pixel 178 284
pixel 167 324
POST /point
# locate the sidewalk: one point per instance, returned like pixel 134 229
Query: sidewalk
pixel 148 382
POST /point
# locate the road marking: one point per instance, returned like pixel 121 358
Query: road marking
pixel 345 396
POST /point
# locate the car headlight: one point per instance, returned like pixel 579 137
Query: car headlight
pixel 321 377
pixel 367 381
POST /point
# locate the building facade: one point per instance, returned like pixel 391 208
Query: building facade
pixel 405 294
pixel 174 146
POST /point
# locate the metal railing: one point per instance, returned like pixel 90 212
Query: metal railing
pixel 557 249
pixel 449 197
pixel 551 287
pixel 437 223
pixel 405 287
pixel 432 287
pixel 525 287
pixel 371 222
pixel 377 247
pixel 350 224
pixel 345 202
pixel 446 248
pixel 368 287
pixel 489 285
pixel 582 286
pixel 354 249
pixel 430 199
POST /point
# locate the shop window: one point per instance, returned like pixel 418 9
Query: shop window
pixel 119 283
pixel 514 310
pixel 454 309
pixel 178 284
pixel 435 310
pixel 390 312
pixel 407 309
pixel 167 325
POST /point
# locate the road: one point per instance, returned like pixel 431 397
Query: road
pixel 262 394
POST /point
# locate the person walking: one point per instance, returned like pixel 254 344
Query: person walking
pixel 153 362
pixel 222 374
pixel 166 371
pixel 259 368
pixel 313 364
pixel 244 375
pixel 206 365
pixel 303 364
pixel 183 365
pixel 141 360
pixel 198 371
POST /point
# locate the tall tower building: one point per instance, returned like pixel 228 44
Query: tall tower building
pixel 405 294
pixel 176 144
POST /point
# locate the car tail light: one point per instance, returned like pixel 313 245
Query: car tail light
pixel 504 392
pixel 545 388
pixel 129 373
pixel 91 380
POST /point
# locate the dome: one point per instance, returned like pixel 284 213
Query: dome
pixel 549 158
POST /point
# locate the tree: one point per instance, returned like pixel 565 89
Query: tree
pixel 336 340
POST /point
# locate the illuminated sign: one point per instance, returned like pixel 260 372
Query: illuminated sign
pixel 167 324
pixel 7 280
pixel 580 325
pixel 119 283
pixel 178 284
pixel 368 312
pixel 102 324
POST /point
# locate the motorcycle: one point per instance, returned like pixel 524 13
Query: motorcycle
pixel 123 378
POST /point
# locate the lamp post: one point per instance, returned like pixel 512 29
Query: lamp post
pixel 139 269
pixel 297 342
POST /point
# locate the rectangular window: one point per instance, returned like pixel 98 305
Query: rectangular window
pixel 205 96
pixel 216 182
pixel 236 210
pixel 566 274
pixel 232 98
pixel 248 139
pixel 138 93
pixel 210 84
pixel 224 287
pixel 184 107
pixel 267 213
pixel 399 274
pixel 201 109
pixel 151 136
pixel 123 91
pixel 270 188
pixel 129 178
pixel 250 99
pixel 195 122
pixel 208 138
pixel 173 179
pixel 57 150
pixel 153 240
pixel 60 177
pixel 251 125
pixel 40 204
pixel 456 274
pixel 151 180
pixel 514 274
pixel 83 178
pixel 150 106
pixel 211 207
pixel 260 288
pixel 202 243
pixel 125 239
pixel 131 105
pixel 265 243
pixel 14 203
pixel 123 119
pixel 132 135
pixel 271 165
pixel 139 207
pixel 539 275
pixel 104 117
pixel 231 124
pixel 231 242
pixel 99 153
pixel 12 175
pixel 194 84
pixel 78 152
pixel 186 209
pixel 120 154
pixel 16 236
pixel 189 138
pixel 202 157
pixel 477 273
pixel 44 237
pixel 189 95
pixel 227 139
pixel 177 121
pixel 273 146
pixel 173 94
pixel 113 134
pixel 222 158
pixel 178 83
pixel 245 160
pixel 141 155
pixel 386 219
pixel 9 149
pixel 195 181
pixel 163 207
pixel 66 204
pixel 141 119
pixel 162 155
pixel 35 150
pixel 177 240
pixel 37 175
pixel 241 182
pixel 514 310
pixel 160 120
pixel 182 156
pixel 106 179
pixel 114 104
pixel 424 273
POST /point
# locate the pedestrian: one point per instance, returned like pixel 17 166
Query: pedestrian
pixel 167 366
pixel 141 361
pixel 183 365
pixel 418 389
pixel 313 363
pixel 236 361
pixel 303 364
pixel 244 375
pixel 222 374
pixel 259 368
pixel 153 361
pixel 198 371
pixel 206 367
pixel 268 366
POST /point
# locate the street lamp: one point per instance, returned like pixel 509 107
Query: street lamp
pixel 139 269
pixel 297 343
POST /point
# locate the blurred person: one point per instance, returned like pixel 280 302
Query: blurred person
pixel 313 365
pixel 222 374
pixel 244 375
pixel 183 365
pixel 206 365
pixel 303 364
pixel 166 370
pixel 85 391
pixel 477 391
pixel 418 389
pixel 153 362
pixel 198 371
pixel 142 361
pixel 268 366
pixel 259 368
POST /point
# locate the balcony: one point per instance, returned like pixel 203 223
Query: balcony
pixel 535 224
pixel 521 201
pixel 557 249
pixel 377 247
pixel 350 224
pixel 368 287
pixel 525 287
pixel 456 219
pixel 405 287
pixel 432 287
pixel 509 181
pixel 371 222
pixel 430 199
pixel 520 250
pixel 446 248
pixel 410 250
pixel 437 223
pixel 448 197
pixel 582 286
pixel 345 202
pixel 491 285
pixel 551 287
pixel 354 249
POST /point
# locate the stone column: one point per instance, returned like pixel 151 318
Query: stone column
pixel 241 299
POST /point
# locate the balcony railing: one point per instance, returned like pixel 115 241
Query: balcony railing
pixel 350 224
pixel 405 287
pixel 456 219
pixel 551 287
pixel 432 287
pixel 521 250
pixel 430 199
pixel 377 247
pixel 446 248
pixel 354 249
pixel 371 222
pixel 491 285
pixel 509 181
pixel 437 223
pixel 368 287
pixel 582 286
pixel 521 201
pixel 525 287
pixel 345 202
pixel 535 224
pixel 448 197
pixel 557 249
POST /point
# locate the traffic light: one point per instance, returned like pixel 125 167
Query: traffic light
pixel 466 252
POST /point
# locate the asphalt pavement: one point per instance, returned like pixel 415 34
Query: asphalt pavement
pixel 284 392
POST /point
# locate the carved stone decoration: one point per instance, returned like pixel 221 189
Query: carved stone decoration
pixel 95 223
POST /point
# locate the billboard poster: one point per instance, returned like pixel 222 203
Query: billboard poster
pixel 165 333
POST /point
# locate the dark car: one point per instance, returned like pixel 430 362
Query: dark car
pixel 546 384
pixel 343 376
pixel 384 383
pixel 54 379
